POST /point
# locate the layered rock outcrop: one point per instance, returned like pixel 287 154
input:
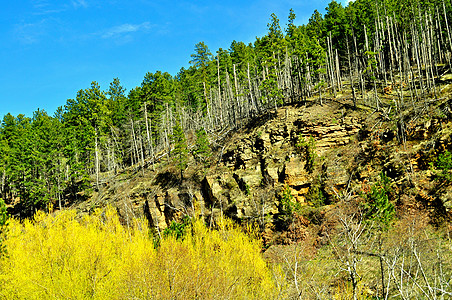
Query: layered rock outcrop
pixel 256 163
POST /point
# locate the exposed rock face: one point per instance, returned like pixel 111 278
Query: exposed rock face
pixel 327 134
pixel 446 199
pixel 271 153
pixel 258 161
pixel 254 167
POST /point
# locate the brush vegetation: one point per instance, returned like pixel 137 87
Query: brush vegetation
pixel 94 257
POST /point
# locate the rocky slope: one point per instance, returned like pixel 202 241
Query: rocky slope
pixel 253 166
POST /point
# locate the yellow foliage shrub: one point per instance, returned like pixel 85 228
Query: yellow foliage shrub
pixel 61 257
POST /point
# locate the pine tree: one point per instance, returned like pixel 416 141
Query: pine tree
pixel 270 51
pixel 87 118
pixel 180 152
pixel 116 102
pixel 202 151
pixel 202 64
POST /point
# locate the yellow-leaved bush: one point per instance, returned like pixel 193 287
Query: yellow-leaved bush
pixel 62 257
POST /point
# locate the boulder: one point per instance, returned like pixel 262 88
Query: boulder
pixel 294 172
pixel 212 189
pixel 446 199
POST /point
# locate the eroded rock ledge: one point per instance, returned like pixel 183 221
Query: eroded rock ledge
pixel 256 163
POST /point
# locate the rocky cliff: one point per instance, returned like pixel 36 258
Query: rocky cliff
pixel 318 152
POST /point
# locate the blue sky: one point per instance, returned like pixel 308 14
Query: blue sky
pixel 51 49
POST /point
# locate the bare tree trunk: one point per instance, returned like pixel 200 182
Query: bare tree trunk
pixel 308 78
pixel 351 75
pixel 148 135
pixel 219 91
pixel 332 63
pixel 142 152
pixel 3 193
pixel 231 101
pixel 338 73
pixel 237 95
pixel 97 160
pixel 251 90
pixel 58 183
pixel 167 133
pixel 448 35
pixel 209 114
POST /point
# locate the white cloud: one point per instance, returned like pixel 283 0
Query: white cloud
pixel 46 7
pixel 125 28
pixel 40 3
pixel 79 3
pixel 30 33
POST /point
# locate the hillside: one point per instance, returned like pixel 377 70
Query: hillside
pixel 307 177
pixel 299 174
pixel 252 165
pixel 366 52
pixel 328 145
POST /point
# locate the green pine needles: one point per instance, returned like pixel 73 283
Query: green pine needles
pixel 306 147
pixel 202 151
pixel 288 205
pixel 178 229
pixel 442 166
pixel 180 152
pixel 377 207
